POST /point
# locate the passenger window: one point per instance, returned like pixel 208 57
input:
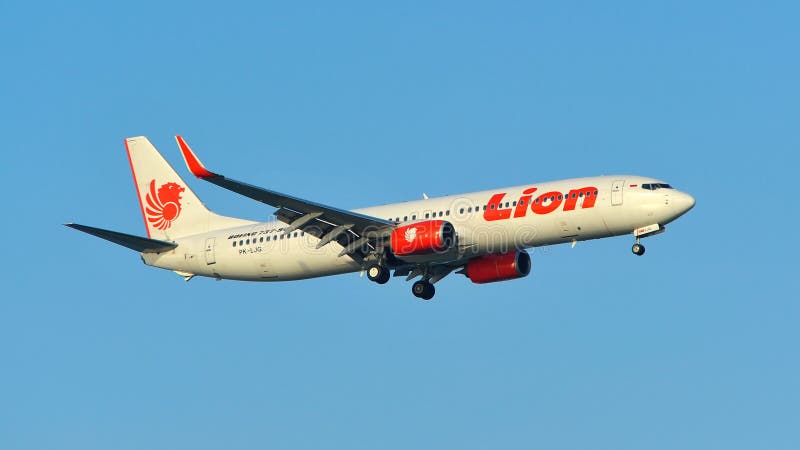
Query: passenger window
pixel 241 243
pixel 414 217
pixel 492 206
pixel 560 197
pixel 447 213
pixel 405 218
pixel 234 243
pixel 461 211
pixel 261 239
pixel 469 210
pixel 427 215
pixel 514 203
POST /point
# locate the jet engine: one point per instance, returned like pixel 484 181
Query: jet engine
pixel 423 238
pixel 498 267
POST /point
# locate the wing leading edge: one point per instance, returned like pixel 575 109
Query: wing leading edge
pixel 357 233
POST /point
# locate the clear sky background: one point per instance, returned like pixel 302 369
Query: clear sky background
pixel 693 346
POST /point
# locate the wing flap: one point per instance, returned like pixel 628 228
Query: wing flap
pixel 320 228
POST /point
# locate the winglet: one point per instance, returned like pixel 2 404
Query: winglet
pixel 195 166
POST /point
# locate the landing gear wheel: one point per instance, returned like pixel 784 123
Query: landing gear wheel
pixel 423 290
pixel 638 249
pixel 378 274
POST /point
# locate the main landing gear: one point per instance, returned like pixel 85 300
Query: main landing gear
pixel 378 274
pixel 638 249
pixel 423 289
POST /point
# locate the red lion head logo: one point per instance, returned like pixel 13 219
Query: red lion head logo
pixel 163 206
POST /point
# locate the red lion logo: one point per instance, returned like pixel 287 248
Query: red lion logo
pixel 165 206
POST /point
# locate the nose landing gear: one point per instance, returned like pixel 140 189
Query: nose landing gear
pixel 646 231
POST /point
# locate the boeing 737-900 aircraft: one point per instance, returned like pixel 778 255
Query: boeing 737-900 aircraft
pixel 482 235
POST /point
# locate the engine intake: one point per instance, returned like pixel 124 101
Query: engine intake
pixel 499 267
pixel 423 238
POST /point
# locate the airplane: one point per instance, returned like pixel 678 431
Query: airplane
pixel 482 235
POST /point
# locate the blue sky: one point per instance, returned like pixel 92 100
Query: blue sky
pixel 693 345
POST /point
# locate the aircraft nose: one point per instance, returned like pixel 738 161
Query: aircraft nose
pixel 683 202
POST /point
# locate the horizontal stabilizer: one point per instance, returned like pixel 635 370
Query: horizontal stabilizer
pixel 140 244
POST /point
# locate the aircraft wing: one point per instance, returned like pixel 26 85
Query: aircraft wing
pixel 352 230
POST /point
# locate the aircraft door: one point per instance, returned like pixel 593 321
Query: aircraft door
pixel 210 256
pixel 616 192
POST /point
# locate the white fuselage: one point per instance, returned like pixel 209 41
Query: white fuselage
pixel 612 206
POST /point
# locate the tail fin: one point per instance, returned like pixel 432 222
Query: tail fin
pixel 169 208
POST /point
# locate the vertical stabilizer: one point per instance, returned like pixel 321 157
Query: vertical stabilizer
pixel 170 209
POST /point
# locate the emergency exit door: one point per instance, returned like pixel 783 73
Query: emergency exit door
pixel 210 257
pixel 616 192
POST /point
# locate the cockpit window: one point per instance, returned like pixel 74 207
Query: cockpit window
pixel 654 186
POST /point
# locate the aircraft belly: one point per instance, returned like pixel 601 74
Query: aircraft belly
pixel 302 263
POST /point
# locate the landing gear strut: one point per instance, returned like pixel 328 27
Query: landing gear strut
pixel 642 232
pixel 423 289
pixel 378 274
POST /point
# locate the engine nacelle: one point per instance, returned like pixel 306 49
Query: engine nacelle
pixel 499 267
pixel 422 238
